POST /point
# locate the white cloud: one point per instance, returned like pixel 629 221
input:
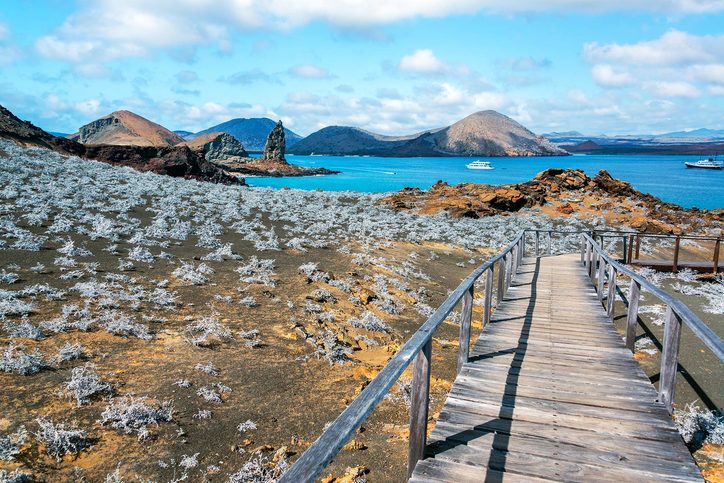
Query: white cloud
pixel 672 48
pixel 90 107
pixel 108 29
pixel 604 75
pixel 423 61
pixel 309 71
pixel 672 89
pixel 677 64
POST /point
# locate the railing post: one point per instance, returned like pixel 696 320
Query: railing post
pixel 522 245
pixel 594 264
pixel 537 243
pixel 669 358
pixel 509 272
pixel 716 255
pixel 519 260
pixel 630 248
pixel 638 246
pixel 488 297
pixel 550 242
pixel 601 278
pixel 611 300
pixel 419 406
pixel 465 319
pixel 675 266
pixel 501 278
pixel 634 296
pixel 625 249
pixel 587 262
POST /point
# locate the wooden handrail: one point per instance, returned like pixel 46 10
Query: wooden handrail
pixel 676 314
pixel 418 349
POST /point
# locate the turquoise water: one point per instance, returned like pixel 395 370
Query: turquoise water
pixel 663 176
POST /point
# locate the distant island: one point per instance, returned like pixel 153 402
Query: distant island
pixel 484 133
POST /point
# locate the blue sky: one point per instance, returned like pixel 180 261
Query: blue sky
pixel 634 66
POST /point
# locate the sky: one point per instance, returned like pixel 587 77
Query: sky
pixel 393 67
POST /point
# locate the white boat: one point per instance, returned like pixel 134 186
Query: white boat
pixel 709 163
pixel 479 165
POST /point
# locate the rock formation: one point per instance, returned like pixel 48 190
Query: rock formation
pixel 557 192
pixel 126 128
pixel 219 147
pixel 180 161
pixel 275 144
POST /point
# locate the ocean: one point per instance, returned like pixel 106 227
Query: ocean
pixel 665 177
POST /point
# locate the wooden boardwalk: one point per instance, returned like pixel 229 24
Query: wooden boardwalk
pixel 550 392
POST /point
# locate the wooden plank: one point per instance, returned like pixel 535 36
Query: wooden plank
pixel 462 410
pixel 434 470
pixel 450 425
pixel 522 455
pixel 419 402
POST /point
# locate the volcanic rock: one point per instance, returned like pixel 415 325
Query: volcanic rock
pixel 553 191
pixel 220 148
pixel 126 128
pixel 275 144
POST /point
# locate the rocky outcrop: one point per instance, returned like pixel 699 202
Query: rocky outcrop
pixel 485 133
pixel 178 161
pixel 220 148
pixel 558 192
pixel 251 132
pixel 126 128
pixel 275 144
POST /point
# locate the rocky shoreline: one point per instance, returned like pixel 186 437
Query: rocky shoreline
pixel 560 192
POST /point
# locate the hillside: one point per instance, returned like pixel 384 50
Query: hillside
pixel 342 140
pixel 127 129
pixel 485 133
pixel 251 132
pixel 177 161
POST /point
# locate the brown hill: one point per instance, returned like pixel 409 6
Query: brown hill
pixel 128 129
pixel 180 161
pixel 489 133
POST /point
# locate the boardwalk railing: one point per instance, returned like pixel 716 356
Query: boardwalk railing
pixel 418 349
pixel 601 266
